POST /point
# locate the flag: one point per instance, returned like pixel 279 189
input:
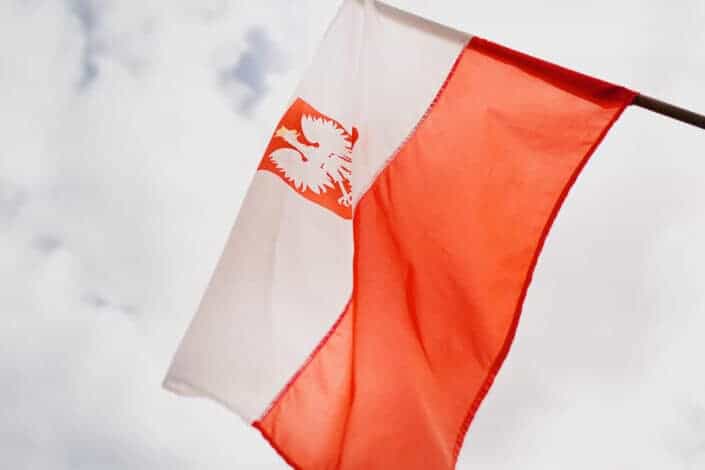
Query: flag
pixel 373 281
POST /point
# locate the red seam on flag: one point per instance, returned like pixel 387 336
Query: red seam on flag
pixel 492 373
pixel 411 133
pixel 257 424
pixel 310 358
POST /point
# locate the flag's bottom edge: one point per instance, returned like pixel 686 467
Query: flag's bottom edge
pixel 186 388
pixel 270 440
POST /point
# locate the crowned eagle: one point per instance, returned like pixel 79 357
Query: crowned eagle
pixel 322 161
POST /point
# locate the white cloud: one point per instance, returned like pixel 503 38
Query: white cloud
pixel 108 185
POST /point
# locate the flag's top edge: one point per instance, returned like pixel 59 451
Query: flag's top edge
pixel 391 8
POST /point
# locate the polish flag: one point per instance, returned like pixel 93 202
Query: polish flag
pixel 373 281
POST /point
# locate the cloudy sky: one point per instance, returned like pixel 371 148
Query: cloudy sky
pixel 129 131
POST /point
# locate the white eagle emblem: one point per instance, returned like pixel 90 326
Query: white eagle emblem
pixel 322 163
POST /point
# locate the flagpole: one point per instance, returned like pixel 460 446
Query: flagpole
pixel 669 110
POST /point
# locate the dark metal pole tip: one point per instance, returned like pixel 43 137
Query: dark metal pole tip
pixel 669 110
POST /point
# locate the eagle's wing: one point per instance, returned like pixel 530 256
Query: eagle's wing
pixel 301 173
pixel 332 142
